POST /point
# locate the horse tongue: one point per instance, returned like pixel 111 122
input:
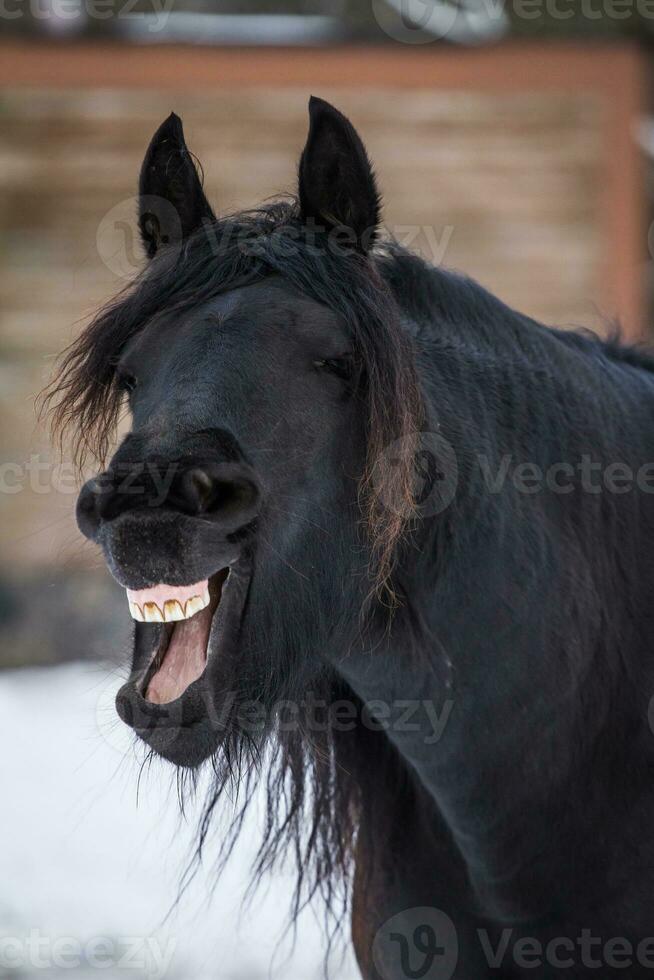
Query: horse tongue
pixel 184 660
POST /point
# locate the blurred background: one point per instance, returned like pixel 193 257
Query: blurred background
pixel 513 141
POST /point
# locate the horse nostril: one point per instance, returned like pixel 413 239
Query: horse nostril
pixel 202 488
pixel 199 490
pixel 229 492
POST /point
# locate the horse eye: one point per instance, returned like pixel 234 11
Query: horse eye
pixel 341 366
pixel 126 381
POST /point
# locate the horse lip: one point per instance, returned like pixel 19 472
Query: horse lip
pixel 179 732
pixel 172 531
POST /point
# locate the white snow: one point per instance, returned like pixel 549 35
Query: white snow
pixel 84 859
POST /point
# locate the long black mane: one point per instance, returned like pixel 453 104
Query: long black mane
pixel 434 299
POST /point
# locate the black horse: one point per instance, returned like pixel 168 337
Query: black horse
pixel 388 545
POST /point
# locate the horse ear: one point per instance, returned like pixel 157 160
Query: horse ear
pixel 171 200
pixel 337 183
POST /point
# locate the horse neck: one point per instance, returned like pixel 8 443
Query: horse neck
pixel 504 666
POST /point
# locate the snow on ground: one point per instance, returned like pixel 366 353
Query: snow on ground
pixel 89 871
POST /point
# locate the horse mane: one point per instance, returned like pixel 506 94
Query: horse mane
pixel 443 298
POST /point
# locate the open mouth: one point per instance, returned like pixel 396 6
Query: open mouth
pixel 181 655
pixel 179 696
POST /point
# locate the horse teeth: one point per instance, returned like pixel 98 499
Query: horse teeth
pixel 168 603
pixel 135 610
pixel 152 613
pixel 173 611
pixel 196 604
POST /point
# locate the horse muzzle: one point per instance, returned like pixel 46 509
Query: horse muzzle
pixel 178 536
